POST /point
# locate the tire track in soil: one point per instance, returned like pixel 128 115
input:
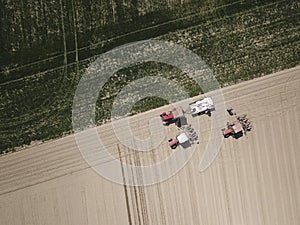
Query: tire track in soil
pixel 65 66
pixel 226 192
pixel 160 198
pixel 294 131
pixel 257 172
pixel 114 38
pixel 192 191
pixel 125 188
pixel 287 167
pixel 141 190
pixel 74 15
pixel 134 192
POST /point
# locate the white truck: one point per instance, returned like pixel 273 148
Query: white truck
pixel 202 106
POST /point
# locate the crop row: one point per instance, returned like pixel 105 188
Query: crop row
pixel 44 52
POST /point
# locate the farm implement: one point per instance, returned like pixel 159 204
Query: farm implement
pixel 185 137
pixel 238 127
pixel 174 116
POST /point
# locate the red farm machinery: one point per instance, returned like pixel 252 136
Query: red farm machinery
pixel 176 115
pixel 238 127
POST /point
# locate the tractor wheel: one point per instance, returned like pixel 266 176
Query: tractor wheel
pixel 174 146
pixel 208 113
pixel 226 135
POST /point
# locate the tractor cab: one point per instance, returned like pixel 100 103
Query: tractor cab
pixel 181 139
pixel 174 116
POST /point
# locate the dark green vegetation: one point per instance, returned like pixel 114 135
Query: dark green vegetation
pixel 45 46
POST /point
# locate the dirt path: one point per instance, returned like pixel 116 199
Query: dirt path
pixel 254 180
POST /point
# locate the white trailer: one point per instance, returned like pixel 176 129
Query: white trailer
pixel 202 106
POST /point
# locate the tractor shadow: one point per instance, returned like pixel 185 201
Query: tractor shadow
pixel 182 122
pixel 238 135
pixel 186 145
pixel 235 136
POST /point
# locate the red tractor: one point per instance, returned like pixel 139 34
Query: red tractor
pixel 173 116
pixel 237 128
pixel 181 139
pixel 234 129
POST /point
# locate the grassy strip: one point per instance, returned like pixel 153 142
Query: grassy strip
pixel 238 43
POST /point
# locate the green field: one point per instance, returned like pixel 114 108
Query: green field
pixel 46 46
